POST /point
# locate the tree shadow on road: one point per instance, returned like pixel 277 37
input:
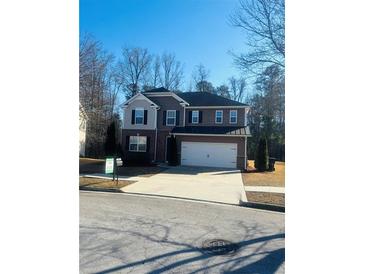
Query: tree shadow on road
pixel 269 261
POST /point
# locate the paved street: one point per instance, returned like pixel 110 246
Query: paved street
pixel 121 233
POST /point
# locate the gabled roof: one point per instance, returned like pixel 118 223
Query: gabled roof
pixel 207 99
pixel 211 130
pixel 136 96
pixel 163 92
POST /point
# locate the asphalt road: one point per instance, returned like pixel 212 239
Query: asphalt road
pixel 121 233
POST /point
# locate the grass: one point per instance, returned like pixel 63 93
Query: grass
pixel 274 178
pixel 90 166
pixel 90 161
pixel 102 183
pixel 266 198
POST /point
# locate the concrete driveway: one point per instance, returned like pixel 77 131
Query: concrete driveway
pixel 200 183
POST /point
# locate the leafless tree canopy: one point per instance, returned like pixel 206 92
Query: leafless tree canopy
pixel 171 73
pixel 237 87
pixel 99 90
pixel 134 67
pixel 263 22
pixel 200 79
pixel 200 74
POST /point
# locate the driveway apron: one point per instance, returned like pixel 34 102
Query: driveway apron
pixel 200 183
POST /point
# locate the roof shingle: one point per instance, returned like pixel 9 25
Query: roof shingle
pixel 212 130
pixel 207 99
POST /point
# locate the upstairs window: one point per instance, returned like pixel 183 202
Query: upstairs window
pixel 233 116
pixel 139 116
pixel 138 143
pixel 171 118
pixel 195 116
pixel 219 116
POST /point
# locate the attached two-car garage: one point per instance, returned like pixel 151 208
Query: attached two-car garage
pixel 209 154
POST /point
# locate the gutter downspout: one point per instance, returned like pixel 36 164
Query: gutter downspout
pixel 184 116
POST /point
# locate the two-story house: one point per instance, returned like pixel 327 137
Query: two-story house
pixel 210 130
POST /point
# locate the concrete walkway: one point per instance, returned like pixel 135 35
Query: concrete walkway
pixel 265 189
pixel 200 183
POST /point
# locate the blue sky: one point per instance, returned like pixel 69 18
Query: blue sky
pixel 197 31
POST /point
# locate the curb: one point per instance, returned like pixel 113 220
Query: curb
pixel 259 206
pixel 99 189
pixel 270 207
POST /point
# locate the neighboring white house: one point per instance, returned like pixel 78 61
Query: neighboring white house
pixel 82 130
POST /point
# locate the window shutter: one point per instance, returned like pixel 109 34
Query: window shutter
pixel 127 143
pixel 177 117
pixel 190 116
pixel 133 116
pixel 145 116
pixel 164 118
pixel 148 144
pixel 200 116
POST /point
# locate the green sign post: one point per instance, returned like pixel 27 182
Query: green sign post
pixel 109 165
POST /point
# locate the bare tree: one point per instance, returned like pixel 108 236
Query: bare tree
pixel 156 72
pixel 200 78
pixel 171 72
pixel 263 21
pixel 200 74
pixel 94 72
pixel 114 87
pixel 237 88
pixel 134 67
pixel 223 90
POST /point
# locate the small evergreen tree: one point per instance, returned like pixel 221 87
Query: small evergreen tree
pixel 173 151
pixel 262 156
pixel 110 141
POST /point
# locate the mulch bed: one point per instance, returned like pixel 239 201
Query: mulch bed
pixel 266 198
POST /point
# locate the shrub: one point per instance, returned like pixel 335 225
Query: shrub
pixel 110 141
pixel 173 152
pixel 262 156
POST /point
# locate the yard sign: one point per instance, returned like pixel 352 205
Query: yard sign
pixel 109 165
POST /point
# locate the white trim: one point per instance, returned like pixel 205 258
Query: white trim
pixel 216 116
pixel 219 107
pixel 245 156
pixel 246 117
pixel 216 135
pixel 192 120
pixel 230 116
pixel 126 103
pixel 167 117
pixel 161 94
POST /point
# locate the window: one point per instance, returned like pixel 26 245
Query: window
pixel 219 116
pixel 233 117
pixel 138 143
pixel 139 116
pixel 171 117
pixel 195 116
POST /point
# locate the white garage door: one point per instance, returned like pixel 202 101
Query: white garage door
pixel 209 154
